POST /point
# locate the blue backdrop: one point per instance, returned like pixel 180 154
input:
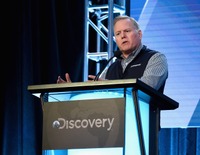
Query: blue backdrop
pixel 173 28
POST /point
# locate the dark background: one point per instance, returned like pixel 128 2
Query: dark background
pixel 39 41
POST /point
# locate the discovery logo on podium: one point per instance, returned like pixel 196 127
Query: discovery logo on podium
pixel 84 124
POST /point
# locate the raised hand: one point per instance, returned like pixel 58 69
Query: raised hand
pixel 67 79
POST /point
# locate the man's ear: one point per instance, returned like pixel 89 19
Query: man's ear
pixel 140 33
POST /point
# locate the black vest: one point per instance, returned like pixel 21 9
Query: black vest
pixel 135 68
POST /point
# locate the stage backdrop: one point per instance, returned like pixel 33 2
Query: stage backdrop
pixel 173 28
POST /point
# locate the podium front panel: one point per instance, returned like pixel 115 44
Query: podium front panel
pixel 68 124
pixel 131 143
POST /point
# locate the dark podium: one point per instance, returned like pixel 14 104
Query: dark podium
pixel 119 117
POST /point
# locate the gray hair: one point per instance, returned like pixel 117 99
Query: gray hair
pixel 121 17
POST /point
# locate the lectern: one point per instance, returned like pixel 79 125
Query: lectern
pixel 119 117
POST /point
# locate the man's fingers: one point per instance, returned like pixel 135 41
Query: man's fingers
pixel 92 77
pixel 60 80
pixel 67 77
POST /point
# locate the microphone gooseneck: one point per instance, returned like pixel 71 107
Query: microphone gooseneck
pixel 117 54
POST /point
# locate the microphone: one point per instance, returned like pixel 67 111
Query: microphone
pixel 117 54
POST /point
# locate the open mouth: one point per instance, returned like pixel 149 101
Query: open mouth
pixel 124 42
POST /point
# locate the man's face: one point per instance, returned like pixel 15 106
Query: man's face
pixel 126 36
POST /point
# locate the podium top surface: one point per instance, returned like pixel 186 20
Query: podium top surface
pixel 89 85
pixel 166 102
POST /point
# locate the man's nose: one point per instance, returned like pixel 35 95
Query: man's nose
pixel 123 35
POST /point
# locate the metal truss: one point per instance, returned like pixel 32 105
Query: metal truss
pixel 103 13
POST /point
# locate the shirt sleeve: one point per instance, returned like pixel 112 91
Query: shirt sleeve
pixel 156 71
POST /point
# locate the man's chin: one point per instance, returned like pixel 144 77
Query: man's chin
pixel 126 50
